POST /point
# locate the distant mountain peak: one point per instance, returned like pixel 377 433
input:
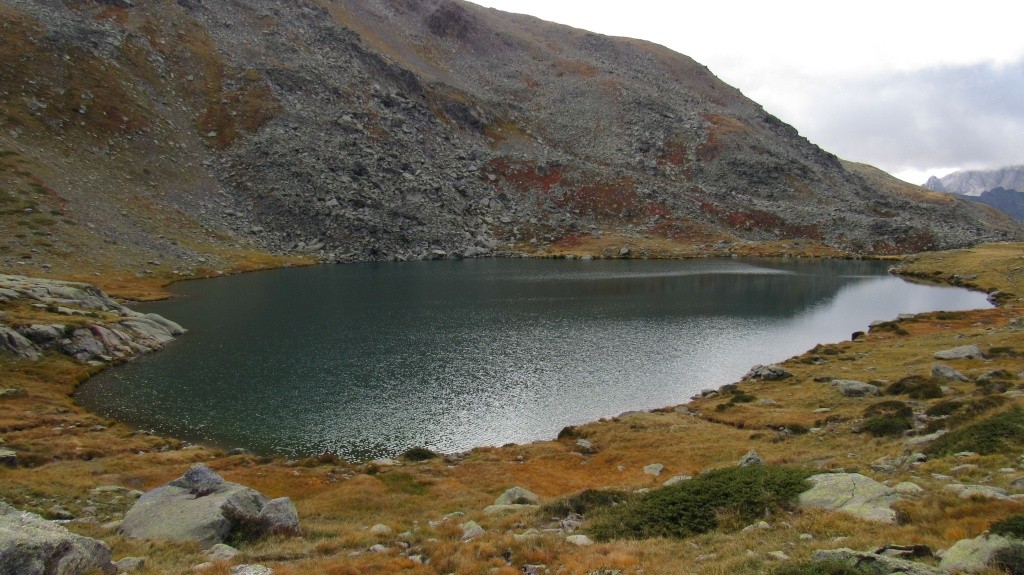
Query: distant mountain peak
pixel 975 182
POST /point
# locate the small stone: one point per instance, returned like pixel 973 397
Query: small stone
pixel 676 479
pixel 471 530
pixel 751 458
pixel 778 556
pixel 579 540
pixel 946 373
pixel 517 496
pixel 380 529
pixel 251 570
pixel 654 469
pixel 966 467
pixel 222 552
pixel 378 548
pixel 907 488
pixel 806 537
pixel 584 446
pixel 129 564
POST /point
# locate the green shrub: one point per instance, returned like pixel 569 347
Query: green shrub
pixel 916 386
pixel 693 506
pixel 1001 432
pixel 944 408
pixel 891 408
pixel 584 502
pixel 1012 526
pixel 889 326
pixel 742 397
pixel 1009 559
pixel 418 454
pixel 886 425
pixel 819 568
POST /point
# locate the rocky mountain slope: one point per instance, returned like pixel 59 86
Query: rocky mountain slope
pixel 175 136
pixel 1010 202
pixel 975 182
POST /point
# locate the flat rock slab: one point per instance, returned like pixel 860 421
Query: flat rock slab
pixel 851 493
pixel 962 352
pixel 31 545
pixel 875 563
pixel 853 388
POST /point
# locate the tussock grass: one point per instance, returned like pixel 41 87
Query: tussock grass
pixel 1001 432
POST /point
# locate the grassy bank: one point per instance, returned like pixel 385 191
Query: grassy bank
pixel 798 422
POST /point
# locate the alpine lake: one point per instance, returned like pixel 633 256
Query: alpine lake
pixel 367 360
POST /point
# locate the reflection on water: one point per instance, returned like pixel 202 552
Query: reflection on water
pixel 367 360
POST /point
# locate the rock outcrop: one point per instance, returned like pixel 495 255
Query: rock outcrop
pixel 201 506
pixel 851 493
pixel 973 555
pixel 31 545
pixel 103 331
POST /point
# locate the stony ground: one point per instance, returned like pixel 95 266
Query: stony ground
pixel 413 516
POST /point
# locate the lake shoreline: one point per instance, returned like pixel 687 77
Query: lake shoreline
pixel 66 454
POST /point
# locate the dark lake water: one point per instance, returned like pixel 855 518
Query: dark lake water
pixel 368 360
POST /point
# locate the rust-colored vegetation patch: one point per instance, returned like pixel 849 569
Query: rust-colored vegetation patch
pixel 614 200
pixel 527 176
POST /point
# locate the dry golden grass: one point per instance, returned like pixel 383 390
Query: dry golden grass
pixel 339 501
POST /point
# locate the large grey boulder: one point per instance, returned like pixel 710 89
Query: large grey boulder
pixel 875 563
pixel 202 507
pixel 31 545
pixel 751 458
pixel 973 555
pixel 767 373
pixel 962 352
pixel 851 493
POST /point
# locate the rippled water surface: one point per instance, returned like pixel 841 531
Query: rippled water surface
pixel 367 360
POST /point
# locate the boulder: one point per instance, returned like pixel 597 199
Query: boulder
pixel 962 352
pixel 17 344
pixel 43 334
pixel 579 540
pixel 973 555
pixel 517 496
pixel 279 517
pixel 8 457
pixel 654 469
pixel 200 506
pixel 676 479
pixel 908 488
pixel 129 564
pixel 222 552
pixel 751 458
pixel 471 530
pixel 852 493
pixel 874 563
pixel 31 545
pixel 946 373
pixel 251 570
pixel 12 393
pixel 853 388
pixel 767 373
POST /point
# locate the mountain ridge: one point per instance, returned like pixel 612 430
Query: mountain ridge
pixel 189 132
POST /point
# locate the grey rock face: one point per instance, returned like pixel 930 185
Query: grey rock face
pixel 202 507
pixel 17 344
pixel 851 493
pixel 30 545
pixel 875 563
pixel 962 352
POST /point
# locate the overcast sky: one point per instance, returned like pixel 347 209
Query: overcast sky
pixel 913 87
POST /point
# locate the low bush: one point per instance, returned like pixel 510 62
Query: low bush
pixel 693 507
pixel 584 502
pixel 891 408
pixel 1012 526
pixel 1001 432
pixel 915 386
pixel 819 568
pixel 1009 559
pixel 944 408
pixel 886 425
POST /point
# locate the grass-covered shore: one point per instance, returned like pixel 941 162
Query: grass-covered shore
pixel 65 452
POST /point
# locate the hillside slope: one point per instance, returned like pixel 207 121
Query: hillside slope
pixel 176 138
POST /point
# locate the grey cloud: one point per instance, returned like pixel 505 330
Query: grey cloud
pixel 950 116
